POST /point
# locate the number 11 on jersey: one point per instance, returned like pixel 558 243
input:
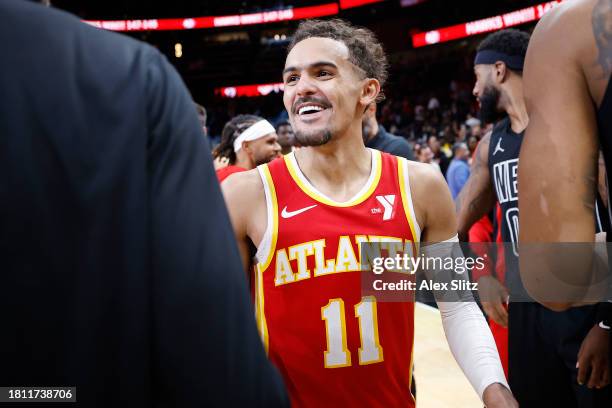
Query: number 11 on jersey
pixel 337 353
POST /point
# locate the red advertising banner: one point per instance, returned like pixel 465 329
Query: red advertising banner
pixel 485 25
pixel 194 23
pixel 249 90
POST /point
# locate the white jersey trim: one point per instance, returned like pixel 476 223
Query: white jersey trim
pixel 375 165
pixel 265 246
pixel 417 227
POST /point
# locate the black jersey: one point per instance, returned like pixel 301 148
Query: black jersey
pixel 504 149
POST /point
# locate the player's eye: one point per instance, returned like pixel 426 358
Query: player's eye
pixel 291 79
pixel 324 74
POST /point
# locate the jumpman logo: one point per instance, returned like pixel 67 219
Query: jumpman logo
pixel 498 148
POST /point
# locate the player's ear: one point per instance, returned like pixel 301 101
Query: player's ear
pixel 500 72
pixel 369 91
pixel 246 147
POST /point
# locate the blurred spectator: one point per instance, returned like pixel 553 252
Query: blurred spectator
pixel 439 156
pixel 459 170
pixel 426 156
pixel 376 137
pixel 462 133
pixel 202 117
pixel 433 103
pixel 286 137
pixel 471 121
pixel 472 144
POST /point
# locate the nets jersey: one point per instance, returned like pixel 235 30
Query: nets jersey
pixel 333 345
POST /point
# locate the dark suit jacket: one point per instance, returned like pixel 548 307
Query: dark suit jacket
pixel 119 273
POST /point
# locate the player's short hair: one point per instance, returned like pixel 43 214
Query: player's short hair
pixel 510 42
pixel 365 51
pixel 282 123
pixel 230 132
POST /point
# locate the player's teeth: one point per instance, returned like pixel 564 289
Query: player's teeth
pixel 309 108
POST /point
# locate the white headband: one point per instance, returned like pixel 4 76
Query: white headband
pixel 255 131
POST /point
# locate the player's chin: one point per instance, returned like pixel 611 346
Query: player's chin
pixel 313 137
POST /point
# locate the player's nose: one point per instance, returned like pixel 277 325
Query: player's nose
pixel 305 86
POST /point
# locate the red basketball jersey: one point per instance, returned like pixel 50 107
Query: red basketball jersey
pixel 333 345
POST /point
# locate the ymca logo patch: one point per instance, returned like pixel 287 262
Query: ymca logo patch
pixel 388 204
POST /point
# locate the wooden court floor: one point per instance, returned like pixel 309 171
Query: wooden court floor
pixel 440 382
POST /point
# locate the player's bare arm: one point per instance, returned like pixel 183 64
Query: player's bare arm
pixel 477 197
pixel 433 203
pixel 557 204
pixel 436 215
pixel 246 203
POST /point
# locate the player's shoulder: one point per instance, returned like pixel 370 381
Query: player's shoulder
pixel 569 11
pixel 245 183
pixel 425 179
pixel 551 30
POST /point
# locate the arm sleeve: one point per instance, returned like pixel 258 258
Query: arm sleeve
pixel 206 351
pixel 468 335
pixel 472 344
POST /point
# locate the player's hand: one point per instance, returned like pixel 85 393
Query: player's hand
pixel 498 396
pixel 220 162
pixel 593 368
pixel 493 297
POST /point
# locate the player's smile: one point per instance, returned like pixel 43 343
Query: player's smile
pixel 312 111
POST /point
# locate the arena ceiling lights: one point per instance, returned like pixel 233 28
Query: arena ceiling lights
pixel 485 25
pixel 194 23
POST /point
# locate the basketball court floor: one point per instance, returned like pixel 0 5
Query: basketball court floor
pixel 440 382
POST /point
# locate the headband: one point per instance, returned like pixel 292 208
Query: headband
pixel 514 62
pixel 255 131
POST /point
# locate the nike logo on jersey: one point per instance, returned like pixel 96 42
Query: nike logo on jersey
pixel 498 148
pixel 603 326
pixel 289 214
pixel 387 202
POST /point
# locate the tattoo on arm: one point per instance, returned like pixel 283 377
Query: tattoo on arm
pixel 601 20
pixel 590 180
pixel 476 197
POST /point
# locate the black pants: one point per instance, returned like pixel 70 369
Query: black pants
pixel 542 353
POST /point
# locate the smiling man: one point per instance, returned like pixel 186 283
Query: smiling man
pixel 308 212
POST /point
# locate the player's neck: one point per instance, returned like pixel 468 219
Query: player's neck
pixel 244 162
pixel 515 108
pixel 339 168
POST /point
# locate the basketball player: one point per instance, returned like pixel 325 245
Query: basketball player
pixel 572 74
pixel 542 370
pixel 246 141
pixel 306 213
pixel 568 93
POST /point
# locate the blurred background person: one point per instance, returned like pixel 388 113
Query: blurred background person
pixel 286 137
pixel 202 117
pixel 458 170
pixel 440 157
pixel 426 156
pixel 376 137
